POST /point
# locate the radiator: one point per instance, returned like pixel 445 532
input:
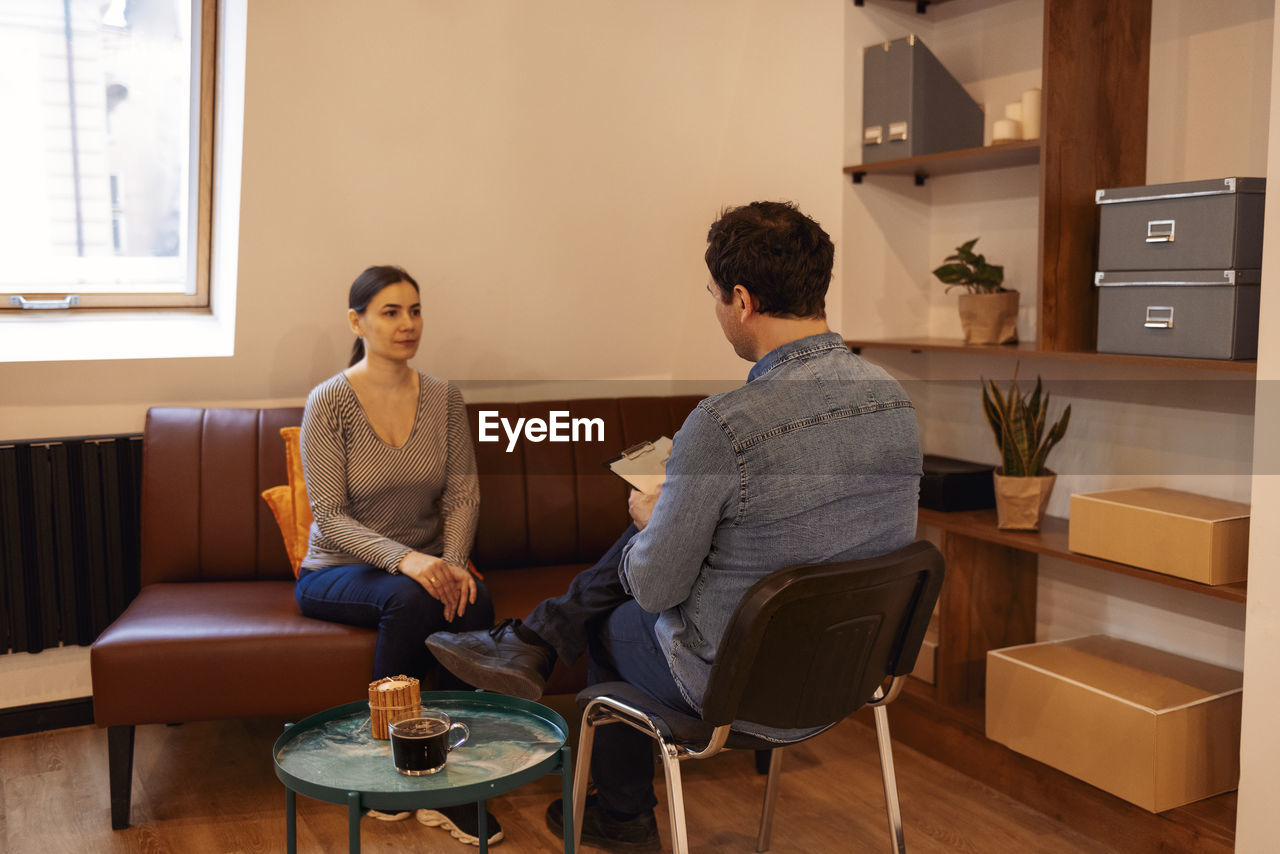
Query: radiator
pixel 69 538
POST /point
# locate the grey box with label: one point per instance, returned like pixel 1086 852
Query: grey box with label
pixel 1201 314
pixel 911 105
pixel 1189 225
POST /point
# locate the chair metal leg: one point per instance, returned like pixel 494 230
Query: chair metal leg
pixel 770 800
pixel 582 775
pixel 898 843
pixel 675 797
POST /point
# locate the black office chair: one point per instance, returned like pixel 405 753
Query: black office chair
pixel 806 647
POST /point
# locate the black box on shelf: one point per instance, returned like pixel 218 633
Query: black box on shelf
pixel 951 485
pixel 1199 314
pixel 911 105
pixel 1189 225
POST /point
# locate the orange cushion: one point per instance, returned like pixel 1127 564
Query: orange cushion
pixel 289 502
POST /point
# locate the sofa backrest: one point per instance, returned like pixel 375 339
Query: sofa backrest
pixel 556 503
pixel 203 472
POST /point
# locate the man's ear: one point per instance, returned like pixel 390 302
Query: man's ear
pixel 743 302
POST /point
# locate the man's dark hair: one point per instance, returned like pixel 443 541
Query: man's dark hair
pixel 777 253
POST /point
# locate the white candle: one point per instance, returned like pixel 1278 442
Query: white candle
pixel 1031 106
pixel 1005 130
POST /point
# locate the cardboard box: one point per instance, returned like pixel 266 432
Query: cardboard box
pixel 1164 530
pixel 1154 728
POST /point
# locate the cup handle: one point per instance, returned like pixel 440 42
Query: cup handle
pixel 466 733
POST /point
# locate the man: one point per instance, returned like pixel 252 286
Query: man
pixel 816 458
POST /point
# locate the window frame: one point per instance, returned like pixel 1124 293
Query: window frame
pixel 205 16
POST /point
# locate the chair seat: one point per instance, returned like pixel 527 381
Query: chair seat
pixel 213 650
pixel 676 727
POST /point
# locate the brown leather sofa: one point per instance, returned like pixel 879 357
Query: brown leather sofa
pixel 215 633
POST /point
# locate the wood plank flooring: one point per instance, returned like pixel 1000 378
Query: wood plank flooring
pixel 209 788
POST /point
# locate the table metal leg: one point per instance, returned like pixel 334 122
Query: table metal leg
pixel 482 825
pixel 290 821
pixel 566 788
pixel 353 822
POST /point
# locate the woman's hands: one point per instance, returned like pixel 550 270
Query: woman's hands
pixel 453 585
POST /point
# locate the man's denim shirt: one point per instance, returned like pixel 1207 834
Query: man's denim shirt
pixel 815 459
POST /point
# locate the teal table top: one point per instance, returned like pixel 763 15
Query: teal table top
pixel 332 753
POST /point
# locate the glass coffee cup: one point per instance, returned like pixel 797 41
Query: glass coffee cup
pixel 420 745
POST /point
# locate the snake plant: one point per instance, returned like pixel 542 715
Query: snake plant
pixel 1018 423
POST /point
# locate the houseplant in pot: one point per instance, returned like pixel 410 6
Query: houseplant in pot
pixel 1022 482
pixel 988 311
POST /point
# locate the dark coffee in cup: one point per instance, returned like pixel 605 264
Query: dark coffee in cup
pixel 421 745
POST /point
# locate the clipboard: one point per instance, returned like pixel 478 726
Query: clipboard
pixel 643 465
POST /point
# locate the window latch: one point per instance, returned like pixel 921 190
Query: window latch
pixel 65 302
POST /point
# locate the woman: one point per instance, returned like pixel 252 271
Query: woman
pixel 391 475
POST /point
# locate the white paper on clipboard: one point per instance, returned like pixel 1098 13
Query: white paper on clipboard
pixel 644 466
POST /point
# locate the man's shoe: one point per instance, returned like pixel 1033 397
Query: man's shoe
pixel 496 659
pixel 462 823
pixel 387 816
pixel 603 831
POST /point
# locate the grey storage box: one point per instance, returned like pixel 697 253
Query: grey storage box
pixel 911 105
pixel 1191 225
pixel 1198 314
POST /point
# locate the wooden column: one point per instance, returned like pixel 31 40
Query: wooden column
pixel 988 601
pixel 1094 136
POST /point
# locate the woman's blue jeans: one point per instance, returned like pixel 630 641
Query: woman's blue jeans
pixel 396 605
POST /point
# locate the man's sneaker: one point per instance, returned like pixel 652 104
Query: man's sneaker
pixel 388 816
pixel 496 659
pixel 603 831
pixel 462 823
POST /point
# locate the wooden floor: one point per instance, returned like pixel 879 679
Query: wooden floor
pixel 209 788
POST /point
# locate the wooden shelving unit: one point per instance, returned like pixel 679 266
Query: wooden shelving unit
pixel 1004 156
pixel 1095 80
pixel 1030 350
pixel 1093 134
pixel 1051 541
pixel 955 734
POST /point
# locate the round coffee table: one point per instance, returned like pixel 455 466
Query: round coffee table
pixel 331 756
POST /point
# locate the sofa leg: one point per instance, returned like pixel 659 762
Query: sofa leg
pixel 120 765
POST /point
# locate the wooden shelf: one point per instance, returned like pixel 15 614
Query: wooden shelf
pixel 922 6
pixel 1029 350
pixel 955 734
pixel 1052 542
pixel 1004 156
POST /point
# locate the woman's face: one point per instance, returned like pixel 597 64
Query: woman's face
pixel 391 324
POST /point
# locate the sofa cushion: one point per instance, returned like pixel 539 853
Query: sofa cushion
pixel 207 651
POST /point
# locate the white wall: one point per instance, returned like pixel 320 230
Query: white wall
pixel 547 171
pixel 1257 820
pixel 1210 82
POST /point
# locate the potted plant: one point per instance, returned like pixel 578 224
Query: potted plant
pixel 989 311
pixel 1022 482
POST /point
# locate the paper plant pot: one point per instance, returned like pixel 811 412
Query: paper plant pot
pixel 989 318
pixel 1021 501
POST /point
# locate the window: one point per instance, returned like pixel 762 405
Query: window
pixel 106 157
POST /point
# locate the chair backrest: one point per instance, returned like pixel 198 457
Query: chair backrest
pixel 810 644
